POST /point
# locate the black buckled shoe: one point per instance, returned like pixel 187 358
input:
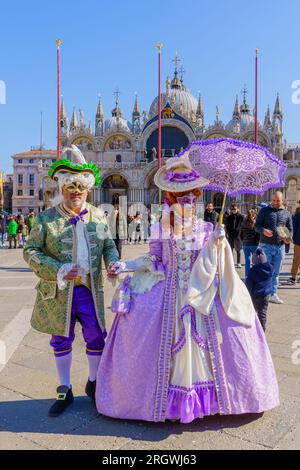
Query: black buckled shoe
pixel 90 389
pixel 64 398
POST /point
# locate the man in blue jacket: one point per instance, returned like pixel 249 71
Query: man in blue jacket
pixel 272 242
pixel 296 239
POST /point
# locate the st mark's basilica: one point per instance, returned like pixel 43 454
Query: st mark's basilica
pixel 126 150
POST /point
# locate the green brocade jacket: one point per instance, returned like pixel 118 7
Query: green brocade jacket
pixel 52 243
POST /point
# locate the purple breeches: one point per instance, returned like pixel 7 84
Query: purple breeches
pixel 83 310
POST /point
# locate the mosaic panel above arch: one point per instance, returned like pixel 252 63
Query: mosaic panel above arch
pixel 85 143
pixel 117 142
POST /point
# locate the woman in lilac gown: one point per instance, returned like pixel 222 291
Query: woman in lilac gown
pixel 186 341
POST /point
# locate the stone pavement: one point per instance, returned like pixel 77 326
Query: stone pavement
pixel 28 381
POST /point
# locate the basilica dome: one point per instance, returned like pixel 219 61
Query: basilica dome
pixel 243 119
pixel 117 122
pixel 179 97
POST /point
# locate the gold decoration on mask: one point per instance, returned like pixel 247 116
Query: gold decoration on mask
pixel 75 187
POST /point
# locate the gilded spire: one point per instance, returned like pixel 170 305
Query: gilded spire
pixel 99 121
pixel 63 114
pixel 168 86
pixel 268 121
pixel 199 111
pixel 64 130
pixel 136 108
pixel 277 110
pixel 237 109
pixel 82 124
pixel 74 121
pixel 99 113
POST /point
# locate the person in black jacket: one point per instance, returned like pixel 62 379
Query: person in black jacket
pixel 296 239
pixel 259 284
pixel 233 224
pixel 118 228
pixel 249 237
pixel 210 215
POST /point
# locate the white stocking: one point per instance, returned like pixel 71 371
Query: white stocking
pixel 63 365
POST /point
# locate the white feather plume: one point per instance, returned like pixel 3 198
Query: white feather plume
pixel 73 151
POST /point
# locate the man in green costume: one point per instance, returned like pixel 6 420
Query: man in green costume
pixel 65 250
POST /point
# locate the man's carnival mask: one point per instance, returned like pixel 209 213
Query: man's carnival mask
pixel 75 187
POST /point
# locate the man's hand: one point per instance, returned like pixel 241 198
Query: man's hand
pixel 267 233
pixel 71 274
pixel 112 271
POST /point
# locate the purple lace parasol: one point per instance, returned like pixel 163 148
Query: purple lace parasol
pixel 252 168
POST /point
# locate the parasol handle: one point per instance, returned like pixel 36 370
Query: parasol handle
pixel 226 191
pixel 221 219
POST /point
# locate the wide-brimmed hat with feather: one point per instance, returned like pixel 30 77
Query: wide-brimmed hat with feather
pixel 73 168
pixel 178 175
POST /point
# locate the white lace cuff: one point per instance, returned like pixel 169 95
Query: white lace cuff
pixel 144 263
pixel 62 272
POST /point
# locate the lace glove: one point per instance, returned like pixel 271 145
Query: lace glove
pixel 141 264
pixel 62 272
pixel 219 232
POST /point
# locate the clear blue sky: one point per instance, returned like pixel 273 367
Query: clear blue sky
pixel 108 44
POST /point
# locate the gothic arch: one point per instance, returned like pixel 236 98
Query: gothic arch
pixel 112 172
pixel 148 172
pixel 112 188
pixel 115 132
pixel 263 138
pixel 167 123
pixel 293 177
pixel 88 138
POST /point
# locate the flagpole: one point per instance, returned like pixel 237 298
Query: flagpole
pixel 256 104
pixel 58 43
pixel 159 47
pixel 256 96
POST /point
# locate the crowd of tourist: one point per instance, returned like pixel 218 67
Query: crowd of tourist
pixel 264 235
pixel 14 229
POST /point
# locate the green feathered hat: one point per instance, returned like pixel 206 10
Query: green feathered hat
pixel 78 165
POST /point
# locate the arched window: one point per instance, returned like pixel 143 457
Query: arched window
pixel 292 184
pixel 118 158
pixel 173 140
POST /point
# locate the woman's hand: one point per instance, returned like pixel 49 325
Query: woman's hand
pixel 71 274
pixel 219 232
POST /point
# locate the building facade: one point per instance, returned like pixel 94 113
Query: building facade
pixel 292 187
pixel 32 188
pixel 126 150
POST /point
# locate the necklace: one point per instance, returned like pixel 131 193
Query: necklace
pixel 186 255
